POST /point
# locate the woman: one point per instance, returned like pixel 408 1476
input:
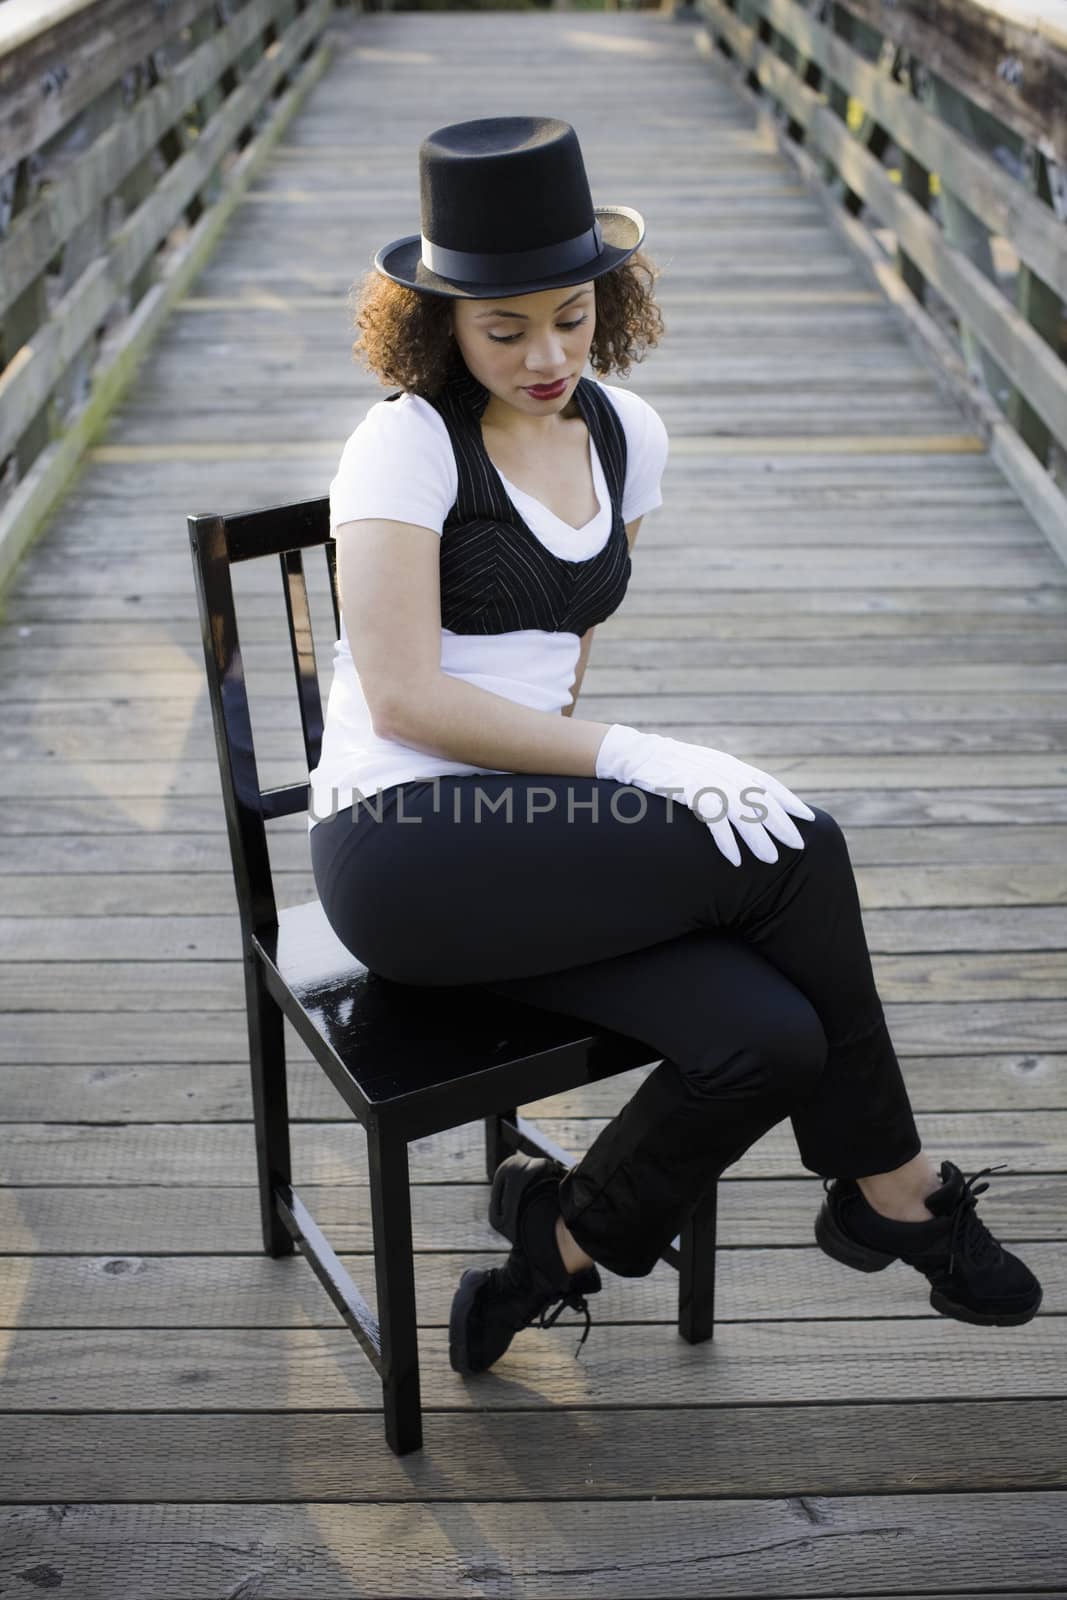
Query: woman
pixel 467 829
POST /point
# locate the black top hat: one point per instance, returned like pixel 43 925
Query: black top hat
pixel 506 210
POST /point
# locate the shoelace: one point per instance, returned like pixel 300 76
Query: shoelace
pixel 575 1300
pixel 969 1233
pixel 516 1275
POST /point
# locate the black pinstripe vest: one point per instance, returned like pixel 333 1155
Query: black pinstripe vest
pixel 496 575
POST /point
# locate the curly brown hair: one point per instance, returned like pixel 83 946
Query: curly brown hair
pixel 405 336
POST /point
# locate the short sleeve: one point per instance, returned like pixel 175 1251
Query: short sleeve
pixel 399 464
pixel 647 446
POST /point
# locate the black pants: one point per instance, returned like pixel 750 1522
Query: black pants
pixel 595 899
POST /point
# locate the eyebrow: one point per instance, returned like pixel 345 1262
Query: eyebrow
pixel 493 312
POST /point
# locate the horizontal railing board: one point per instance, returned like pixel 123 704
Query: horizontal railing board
pixel 87 302
pixel 1010 55
pixel 94 45
pixel 85 182
pixel 1033 367
pixel 999 200
pixel 42 487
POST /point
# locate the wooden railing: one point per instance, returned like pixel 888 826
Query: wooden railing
pixel 128 131
pixel 937 135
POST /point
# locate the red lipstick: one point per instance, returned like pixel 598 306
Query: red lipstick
pixel 548 391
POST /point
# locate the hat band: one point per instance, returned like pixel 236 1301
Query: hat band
pixel 512 266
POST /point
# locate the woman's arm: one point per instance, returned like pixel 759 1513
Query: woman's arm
pixel 579 671
pixel 447 716
pixel 587 637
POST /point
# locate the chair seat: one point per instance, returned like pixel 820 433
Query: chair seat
pixel 398 1039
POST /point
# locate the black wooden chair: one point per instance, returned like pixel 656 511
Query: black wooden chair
pixel 407 1061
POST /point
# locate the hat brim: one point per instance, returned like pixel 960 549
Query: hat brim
pixel 622 230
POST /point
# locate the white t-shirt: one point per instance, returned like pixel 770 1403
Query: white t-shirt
pixel 399 464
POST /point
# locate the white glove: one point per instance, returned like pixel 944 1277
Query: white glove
pixel 715 786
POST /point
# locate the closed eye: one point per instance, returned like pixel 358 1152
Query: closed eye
pixel 499 338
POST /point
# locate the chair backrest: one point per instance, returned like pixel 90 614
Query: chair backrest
pixel 217 542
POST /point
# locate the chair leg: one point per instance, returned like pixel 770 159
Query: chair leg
pixel 696 1271
pixel 394 1271
pixel 270 1104
pixel 497 1147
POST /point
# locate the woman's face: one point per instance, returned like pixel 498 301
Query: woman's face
pixel 513 345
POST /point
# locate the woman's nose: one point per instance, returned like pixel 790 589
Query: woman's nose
pixel 545 354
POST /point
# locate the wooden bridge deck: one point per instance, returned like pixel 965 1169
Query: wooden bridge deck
pixel 839 587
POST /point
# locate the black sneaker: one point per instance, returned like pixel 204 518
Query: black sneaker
pixel 509 1181
pixel 973 1277
pixel 492 1304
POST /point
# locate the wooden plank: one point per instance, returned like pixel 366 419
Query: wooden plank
pixel 167 1092
pixel 193 778
pixel 912 426
pixel 1037 677
pixel 699 1450
pixel 540 1549
pixel 893 808
pixel 866 303
pixel 928 1028
pixel 992 524
pixel 198 1154
pixel 39 1221
pixel 672 643
pixel 177 1292
pixel 705 570
pixel 936 846
pixel 73 894
pixel 892 930
pixel 763 744
pixel 182 717
pixel 854 609
pixel 769 1363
